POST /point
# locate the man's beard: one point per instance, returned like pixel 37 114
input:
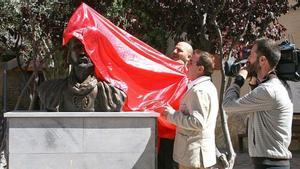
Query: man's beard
pixel 253 69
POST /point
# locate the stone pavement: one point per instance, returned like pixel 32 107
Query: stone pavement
pixel 244 162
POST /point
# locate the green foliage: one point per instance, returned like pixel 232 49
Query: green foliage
pixel 33 29
pixel 239 21
pixel 136 18
pixel 7 55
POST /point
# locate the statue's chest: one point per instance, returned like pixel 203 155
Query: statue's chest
pixel 72 101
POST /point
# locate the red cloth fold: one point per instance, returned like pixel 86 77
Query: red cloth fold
pixel 149 78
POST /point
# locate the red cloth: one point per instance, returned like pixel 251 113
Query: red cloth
pixel 149 78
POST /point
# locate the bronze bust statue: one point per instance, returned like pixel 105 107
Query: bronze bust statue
pixel 81 90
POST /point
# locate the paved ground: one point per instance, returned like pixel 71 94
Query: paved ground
pixel 243 161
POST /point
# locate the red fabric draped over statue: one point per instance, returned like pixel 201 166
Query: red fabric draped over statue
pixel 149 78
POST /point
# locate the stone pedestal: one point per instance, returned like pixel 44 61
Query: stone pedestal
pixel 82 140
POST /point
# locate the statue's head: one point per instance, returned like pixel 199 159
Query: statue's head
pixel 81 64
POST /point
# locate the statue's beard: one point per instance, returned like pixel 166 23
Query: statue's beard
pixel 82 71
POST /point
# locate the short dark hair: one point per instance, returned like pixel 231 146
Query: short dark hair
pixel 206 60
pixel 270 49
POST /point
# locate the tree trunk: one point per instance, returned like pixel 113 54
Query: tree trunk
pixel 228 142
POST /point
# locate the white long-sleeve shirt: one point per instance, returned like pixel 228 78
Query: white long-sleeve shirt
pixel 270 123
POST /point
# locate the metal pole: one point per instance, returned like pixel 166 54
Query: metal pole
pixel 4 87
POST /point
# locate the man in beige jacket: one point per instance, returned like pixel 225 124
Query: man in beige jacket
pixel 194 146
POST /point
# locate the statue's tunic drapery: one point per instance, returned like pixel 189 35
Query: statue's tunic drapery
pixel 90 95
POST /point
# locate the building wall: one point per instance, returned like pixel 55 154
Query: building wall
pixel 292 22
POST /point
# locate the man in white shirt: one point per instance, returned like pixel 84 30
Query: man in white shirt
pixel 269 105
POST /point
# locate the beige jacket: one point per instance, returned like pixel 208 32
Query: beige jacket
pixel 196 120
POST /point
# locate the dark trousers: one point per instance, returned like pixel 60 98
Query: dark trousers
pixel 271 167
pixel 270 163
pixel 165 154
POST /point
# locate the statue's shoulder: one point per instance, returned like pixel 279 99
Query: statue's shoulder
pixel 109 98
pixel 105 86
